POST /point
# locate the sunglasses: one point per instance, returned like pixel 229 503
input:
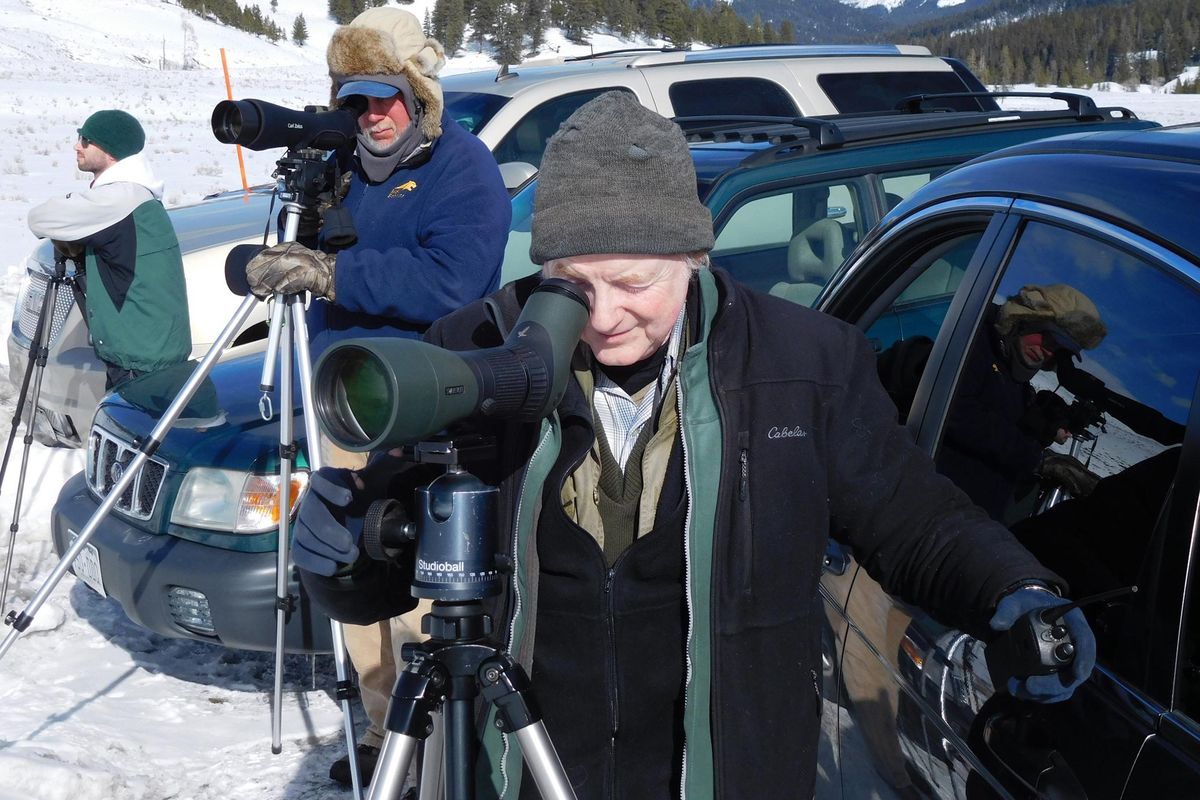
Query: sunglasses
pixel 85 141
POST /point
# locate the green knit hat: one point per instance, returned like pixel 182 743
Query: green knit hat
pixel 115 132
pixel 617 178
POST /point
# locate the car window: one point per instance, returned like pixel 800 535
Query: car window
pixel 737 96
pixel 1077 457
pixel 527 140
pixel 520 232
pixel 789 241
pixel 853 92
pixel 898 186
pixel 473 110
pixel 903 335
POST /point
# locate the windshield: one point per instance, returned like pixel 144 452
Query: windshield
pixel 473 110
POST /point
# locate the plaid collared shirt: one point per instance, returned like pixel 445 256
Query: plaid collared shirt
pixel 620 415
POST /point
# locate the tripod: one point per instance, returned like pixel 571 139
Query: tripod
pixel 39 352
pixel 303 176
pixel 456 567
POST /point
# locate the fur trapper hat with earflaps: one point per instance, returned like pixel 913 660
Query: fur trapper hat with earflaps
pixel 385 41
pixel 1057 307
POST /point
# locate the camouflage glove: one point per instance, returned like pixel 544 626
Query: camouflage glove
pixel 289 268
pixel 313 217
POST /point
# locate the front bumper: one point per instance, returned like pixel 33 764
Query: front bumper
pixel 139 569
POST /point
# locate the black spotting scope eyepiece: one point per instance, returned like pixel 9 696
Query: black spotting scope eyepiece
pixel 373 394
pixel 262 126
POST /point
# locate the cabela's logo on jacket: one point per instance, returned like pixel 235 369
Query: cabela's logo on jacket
pixel 407 186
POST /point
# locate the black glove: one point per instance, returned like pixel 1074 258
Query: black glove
pixel 329 525
pixel 1045 417
pixel 313 216
pixel 68 250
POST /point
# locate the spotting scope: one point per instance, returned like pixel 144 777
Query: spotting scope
pixel 262 126
pixel 381 393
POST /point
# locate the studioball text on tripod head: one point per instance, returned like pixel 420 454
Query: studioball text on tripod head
pixel 456 539
pixel 380 393
pixel 263 126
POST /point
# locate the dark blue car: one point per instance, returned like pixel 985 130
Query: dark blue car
pixel 910 706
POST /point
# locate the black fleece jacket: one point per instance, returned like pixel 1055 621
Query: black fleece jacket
pixel 808 447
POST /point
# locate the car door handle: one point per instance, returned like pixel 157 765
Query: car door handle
pixel 836 560
pixel 1042 771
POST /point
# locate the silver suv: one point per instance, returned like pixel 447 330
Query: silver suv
pixel 516 109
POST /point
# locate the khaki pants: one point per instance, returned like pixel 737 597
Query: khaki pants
pixel 375 651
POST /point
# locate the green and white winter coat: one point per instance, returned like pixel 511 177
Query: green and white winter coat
pixel 137 308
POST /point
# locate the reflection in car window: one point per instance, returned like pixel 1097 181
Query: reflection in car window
pixel 473 110
pixel 788 242
pixel 903 335
pixel 1088 507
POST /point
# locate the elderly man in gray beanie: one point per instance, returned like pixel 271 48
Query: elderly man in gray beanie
pixel 666 524
pixel 431 215
pixel 119 235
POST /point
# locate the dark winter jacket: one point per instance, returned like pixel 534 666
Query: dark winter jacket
pixel 430 240
pixel 786 436
pixel 986 451
pixel 137 306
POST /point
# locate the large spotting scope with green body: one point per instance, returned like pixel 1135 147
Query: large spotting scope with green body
pixel 382 393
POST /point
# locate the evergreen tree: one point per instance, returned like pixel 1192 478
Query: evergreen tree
pixel 484 16
pixel 578 19
pixel 449 24
pixel 300 30
pixel 536 13
pixel 509 38
pixel 787 31
pixel 274 6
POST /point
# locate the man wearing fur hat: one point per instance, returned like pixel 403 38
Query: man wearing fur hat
pixel 431 214
pixel 119 234
pixel 999 426
pixel 667 523
pixel 428 204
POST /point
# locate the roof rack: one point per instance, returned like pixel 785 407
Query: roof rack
pixel 750 129
pixel 624 51
pixel 912 117
pixel 1082 106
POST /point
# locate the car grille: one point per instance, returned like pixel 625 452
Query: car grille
pixel 107 456
pixel 31 306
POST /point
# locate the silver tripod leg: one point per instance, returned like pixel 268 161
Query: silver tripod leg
pixel 313 435
pixel 433 763
pixel 283 598
pixel 20 622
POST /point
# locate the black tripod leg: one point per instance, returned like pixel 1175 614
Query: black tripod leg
pixel 504 683
pixel 39 349
pixel 409 720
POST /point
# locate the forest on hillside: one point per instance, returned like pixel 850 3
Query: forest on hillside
pixel 1130 43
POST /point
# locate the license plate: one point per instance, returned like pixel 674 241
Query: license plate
pixel 33 300
pixel 87 564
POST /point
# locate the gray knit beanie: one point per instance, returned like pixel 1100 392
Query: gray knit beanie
pixel 617 178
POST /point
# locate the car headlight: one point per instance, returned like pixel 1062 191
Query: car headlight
pixel 230 500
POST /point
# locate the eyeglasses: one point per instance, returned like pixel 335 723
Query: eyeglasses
pixel 85 141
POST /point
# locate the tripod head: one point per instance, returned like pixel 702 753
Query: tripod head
pixel 453 524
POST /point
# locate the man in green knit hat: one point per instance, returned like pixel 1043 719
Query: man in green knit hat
pixel 118 233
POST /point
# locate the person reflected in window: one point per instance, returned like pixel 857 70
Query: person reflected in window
pixel 999 425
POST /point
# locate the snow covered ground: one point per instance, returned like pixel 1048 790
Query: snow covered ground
pixel 91 706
